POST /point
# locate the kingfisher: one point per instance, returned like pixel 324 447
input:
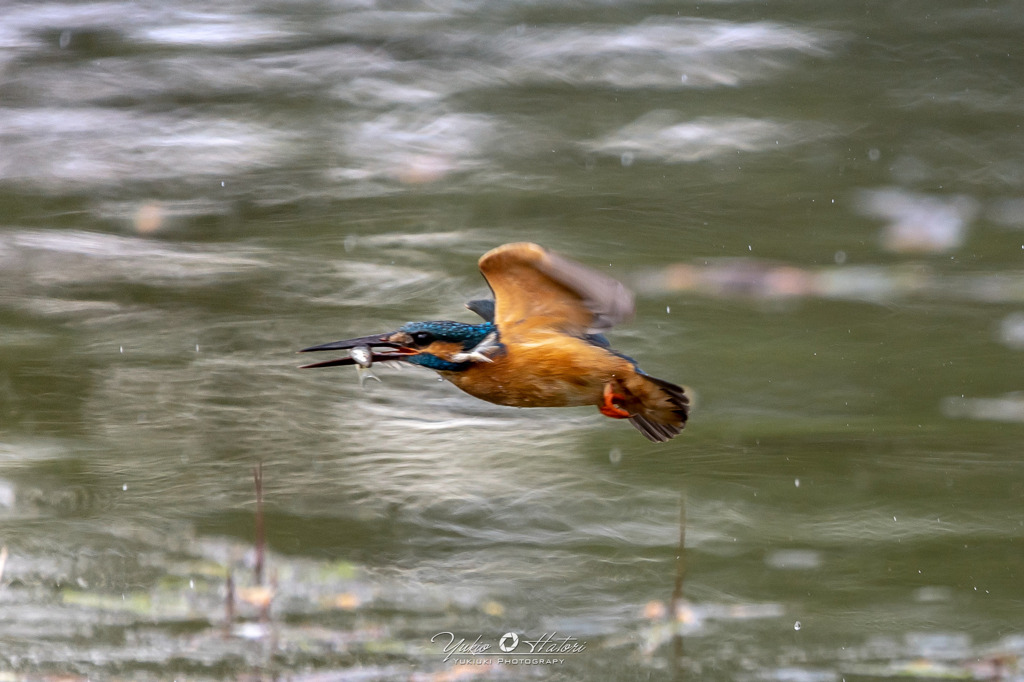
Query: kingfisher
pixel 541 344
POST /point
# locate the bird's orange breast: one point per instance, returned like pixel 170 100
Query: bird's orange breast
pixel 544 370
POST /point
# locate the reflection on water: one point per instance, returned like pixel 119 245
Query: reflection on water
pixel 80 94
pixel 750 277
pixel 920 223
pixel 658 137
pixel 820 211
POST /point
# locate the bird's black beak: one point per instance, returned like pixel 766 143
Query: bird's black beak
pixel 380 346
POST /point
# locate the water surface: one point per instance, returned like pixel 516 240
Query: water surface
pixel 819 207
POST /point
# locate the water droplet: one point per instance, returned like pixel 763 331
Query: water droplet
pixel 797 626
pixel 124 487
pixel 840 257
pixel 668 309
pixel 796 482
pixel 615 456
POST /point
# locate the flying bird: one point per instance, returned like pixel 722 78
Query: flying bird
pixel 541 344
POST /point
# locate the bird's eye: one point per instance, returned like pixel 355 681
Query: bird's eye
pixel 422 338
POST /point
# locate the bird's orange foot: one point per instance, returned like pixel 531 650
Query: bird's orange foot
pixel 608 408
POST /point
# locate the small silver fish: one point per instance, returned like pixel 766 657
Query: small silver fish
pixel 363 357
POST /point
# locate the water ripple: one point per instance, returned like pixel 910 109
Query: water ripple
pixel 62 149
pixel 661 136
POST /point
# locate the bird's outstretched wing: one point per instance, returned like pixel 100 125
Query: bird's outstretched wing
pixel 536 286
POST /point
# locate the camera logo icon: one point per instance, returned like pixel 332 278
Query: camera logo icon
pixel 508 642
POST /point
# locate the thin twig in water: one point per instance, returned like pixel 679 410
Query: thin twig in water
pixel 257 475
pixel 677 589
pixel 229 603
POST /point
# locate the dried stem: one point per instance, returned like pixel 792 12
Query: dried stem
pixel 677 589
pixel 261 540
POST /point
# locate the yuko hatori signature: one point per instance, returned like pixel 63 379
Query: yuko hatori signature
pixel 548 644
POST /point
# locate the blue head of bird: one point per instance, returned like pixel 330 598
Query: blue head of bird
pixel 440 345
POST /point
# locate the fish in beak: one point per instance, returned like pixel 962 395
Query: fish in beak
pixel 363 351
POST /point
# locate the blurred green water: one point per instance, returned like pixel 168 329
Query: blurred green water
pixel 819 208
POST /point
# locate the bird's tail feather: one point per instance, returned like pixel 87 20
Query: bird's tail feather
pixel 663 410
